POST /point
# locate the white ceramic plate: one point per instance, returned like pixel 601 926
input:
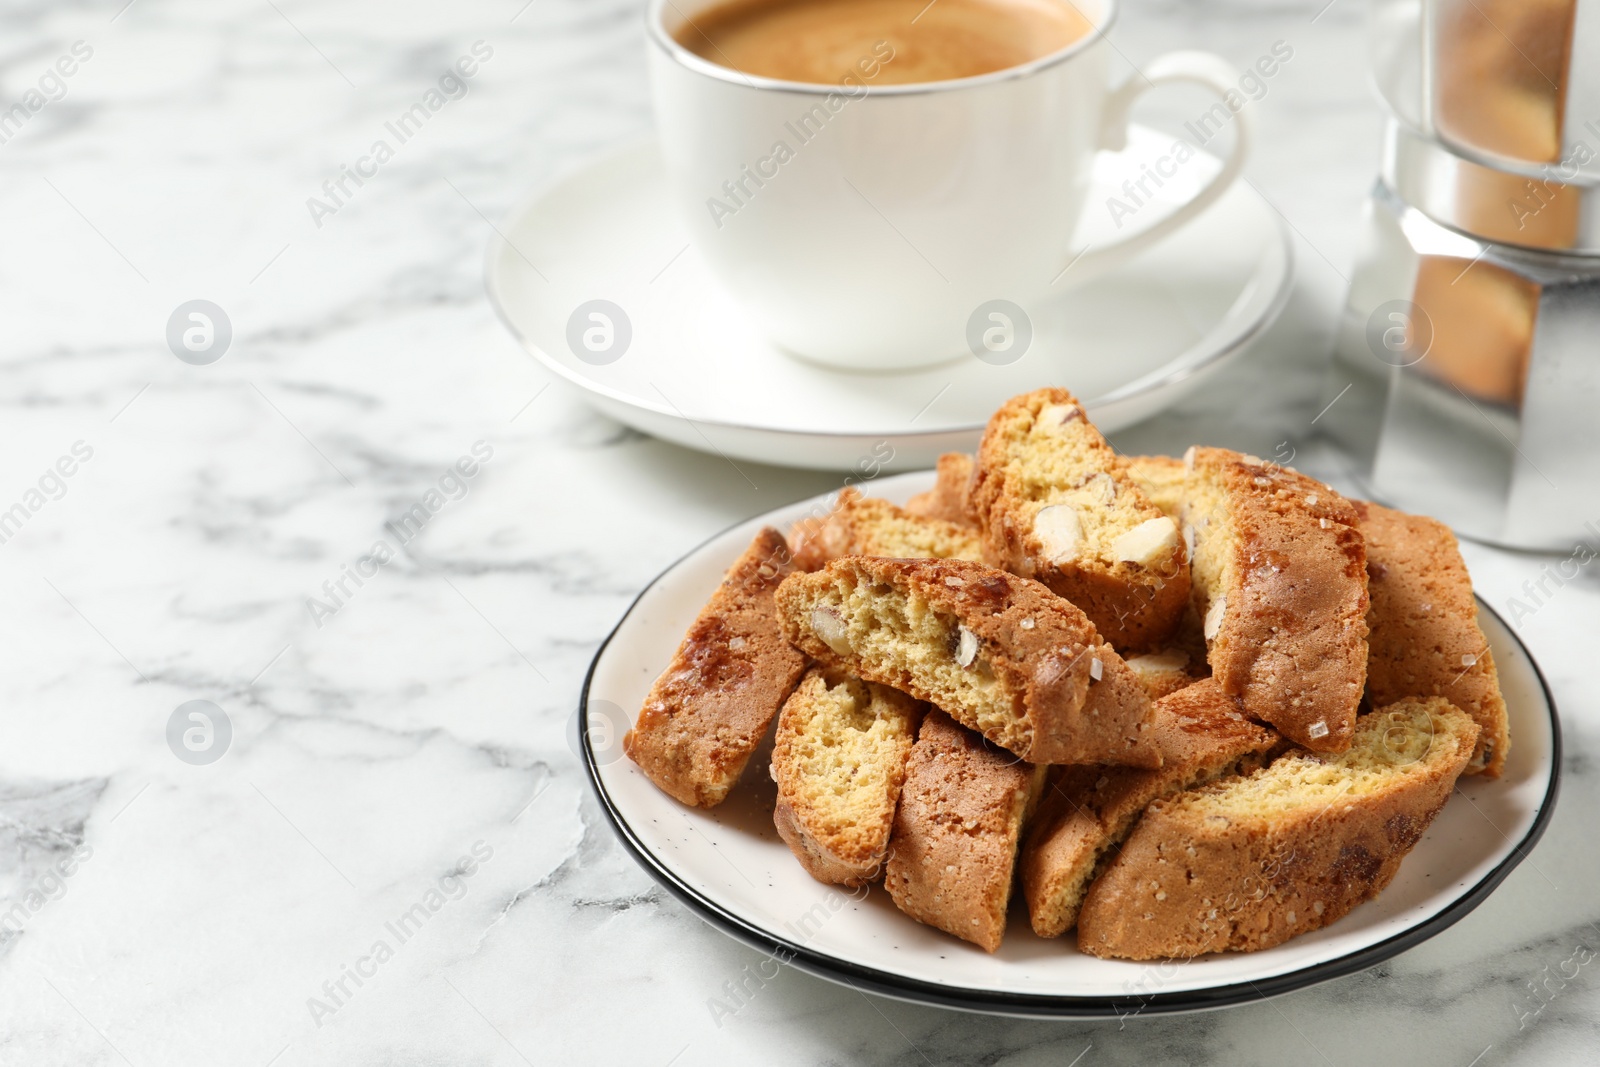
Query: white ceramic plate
pixel 729 865
pixel 696 372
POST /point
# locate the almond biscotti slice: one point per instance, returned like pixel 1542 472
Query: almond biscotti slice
pixel 839 761
pixel 1248 862
pixel 1425 639
pixel 1087 811
pixel 867 526
pixel 954 846
pixel 712 705
pixel 1056 503
pixel 999 653
pixel 947 499
pixel 1280 581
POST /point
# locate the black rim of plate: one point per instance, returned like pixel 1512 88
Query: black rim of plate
pixel 1041 1006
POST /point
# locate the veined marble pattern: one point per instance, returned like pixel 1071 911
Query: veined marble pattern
pixel 399 771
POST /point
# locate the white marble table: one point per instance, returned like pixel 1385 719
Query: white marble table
pixel 404 744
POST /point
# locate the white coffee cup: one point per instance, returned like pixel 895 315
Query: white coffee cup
pixel 894 219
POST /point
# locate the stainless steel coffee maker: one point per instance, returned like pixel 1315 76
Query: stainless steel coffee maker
pixel 1466 378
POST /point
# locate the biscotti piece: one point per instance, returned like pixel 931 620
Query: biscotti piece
pixel 839 761
pixel 1087 811
pixel 1280 581
pixel 947 499
pixel 1055 503
pixel 999 653
pixel 954 846
pixel 1247 863
pixel 805 543
pixel 712 705
pixel 1425 639
pixel 868 526
pixel 1163 479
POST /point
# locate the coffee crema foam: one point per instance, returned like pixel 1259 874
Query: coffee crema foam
pixel 823 41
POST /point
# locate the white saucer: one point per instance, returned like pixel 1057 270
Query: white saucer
pixel 729 866
pixel 696 372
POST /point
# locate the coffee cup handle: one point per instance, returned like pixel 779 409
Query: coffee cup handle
pixel 1195 68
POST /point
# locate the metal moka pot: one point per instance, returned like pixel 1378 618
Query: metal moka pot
pixel 1512 83
pixel 1466 377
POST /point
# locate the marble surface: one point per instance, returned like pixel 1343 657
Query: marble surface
pixel 403 742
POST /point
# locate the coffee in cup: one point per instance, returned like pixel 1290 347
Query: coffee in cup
pixel 822 41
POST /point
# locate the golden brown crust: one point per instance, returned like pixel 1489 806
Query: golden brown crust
pixel 947 499
pixel 709 709
pixel 1195 724
pixel 1425 638
pixel 1087 811
pixel 820 862
pixel 1190 880
pixel 1292 642
pixel 1043 655
pixel 955 837
pixel 1135 604
pixel 839 760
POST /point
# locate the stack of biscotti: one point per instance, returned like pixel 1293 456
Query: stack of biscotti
pixel 1131 685
pixel 1026 681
